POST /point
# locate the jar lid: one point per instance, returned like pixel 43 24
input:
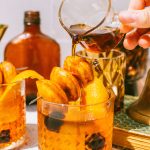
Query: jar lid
pixel 32 17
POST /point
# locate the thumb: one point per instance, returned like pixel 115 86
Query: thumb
pixel 136 18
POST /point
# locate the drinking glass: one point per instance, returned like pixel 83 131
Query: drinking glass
pixel 80 127
pixel 12 115
pixel 110 67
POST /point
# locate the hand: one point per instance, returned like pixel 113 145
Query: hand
pixel 136 23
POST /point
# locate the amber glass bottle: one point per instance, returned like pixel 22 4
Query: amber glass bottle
pixel 33 50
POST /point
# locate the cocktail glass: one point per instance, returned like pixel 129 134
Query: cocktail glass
pixel 110 67
pixel 12 115
pixel 79 127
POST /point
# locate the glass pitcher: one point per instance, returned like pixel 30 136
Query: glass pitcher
pixel 94 24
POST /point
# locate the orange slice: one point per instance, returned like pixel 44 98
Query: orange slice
pixel 95 92
pixel 80 68
pixel 51 92
pixel 67 82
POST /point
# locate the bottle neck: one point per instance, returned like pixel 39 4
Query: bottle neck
pixel 32 28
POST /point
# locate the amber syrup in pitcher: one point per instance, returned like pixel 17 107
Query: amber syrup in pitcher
pixel 101 40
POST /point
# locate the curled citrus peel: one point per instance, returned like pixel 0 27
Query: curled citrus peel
pixel 67 82
pixel 19 77
pixel 80 68
pixel 51 91
pixel 12 94
pixel 75 84
pixel 27 74
pixel 8 71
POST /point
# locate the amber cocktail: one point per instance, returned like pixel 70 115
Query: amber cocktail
pixel 83 127
pixel 12 115
pixel 75 109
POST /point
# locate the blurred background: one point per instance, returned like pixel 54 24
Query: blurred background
pixel 12 13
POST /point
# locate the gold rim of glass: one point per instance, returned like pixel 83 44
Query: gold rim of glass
pixel 105 57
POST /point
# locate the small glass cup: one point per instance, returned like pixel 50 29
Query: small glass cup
pixel 97 29
pixel 80 127
pixel 110 67
pixel 12 115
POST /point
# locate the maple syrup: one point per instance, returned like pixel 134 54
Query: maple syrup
pixel 101 40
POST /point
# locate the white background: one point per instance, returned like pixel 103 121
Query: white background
pixel 12 12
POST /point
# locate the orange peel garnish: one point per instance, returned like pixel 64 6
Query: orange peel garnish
pixel 51 91
pixel 19 77
pixel 8 71
pixel 80 68
pixel 11 94
pixel 67 82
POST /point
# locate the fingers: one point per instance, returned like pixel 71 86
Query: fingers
pixel 137 37
pixel 125 28
pixel 134 5
pixel 137 4
pixel 136 18
pixel 131 40
pixel 144 40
